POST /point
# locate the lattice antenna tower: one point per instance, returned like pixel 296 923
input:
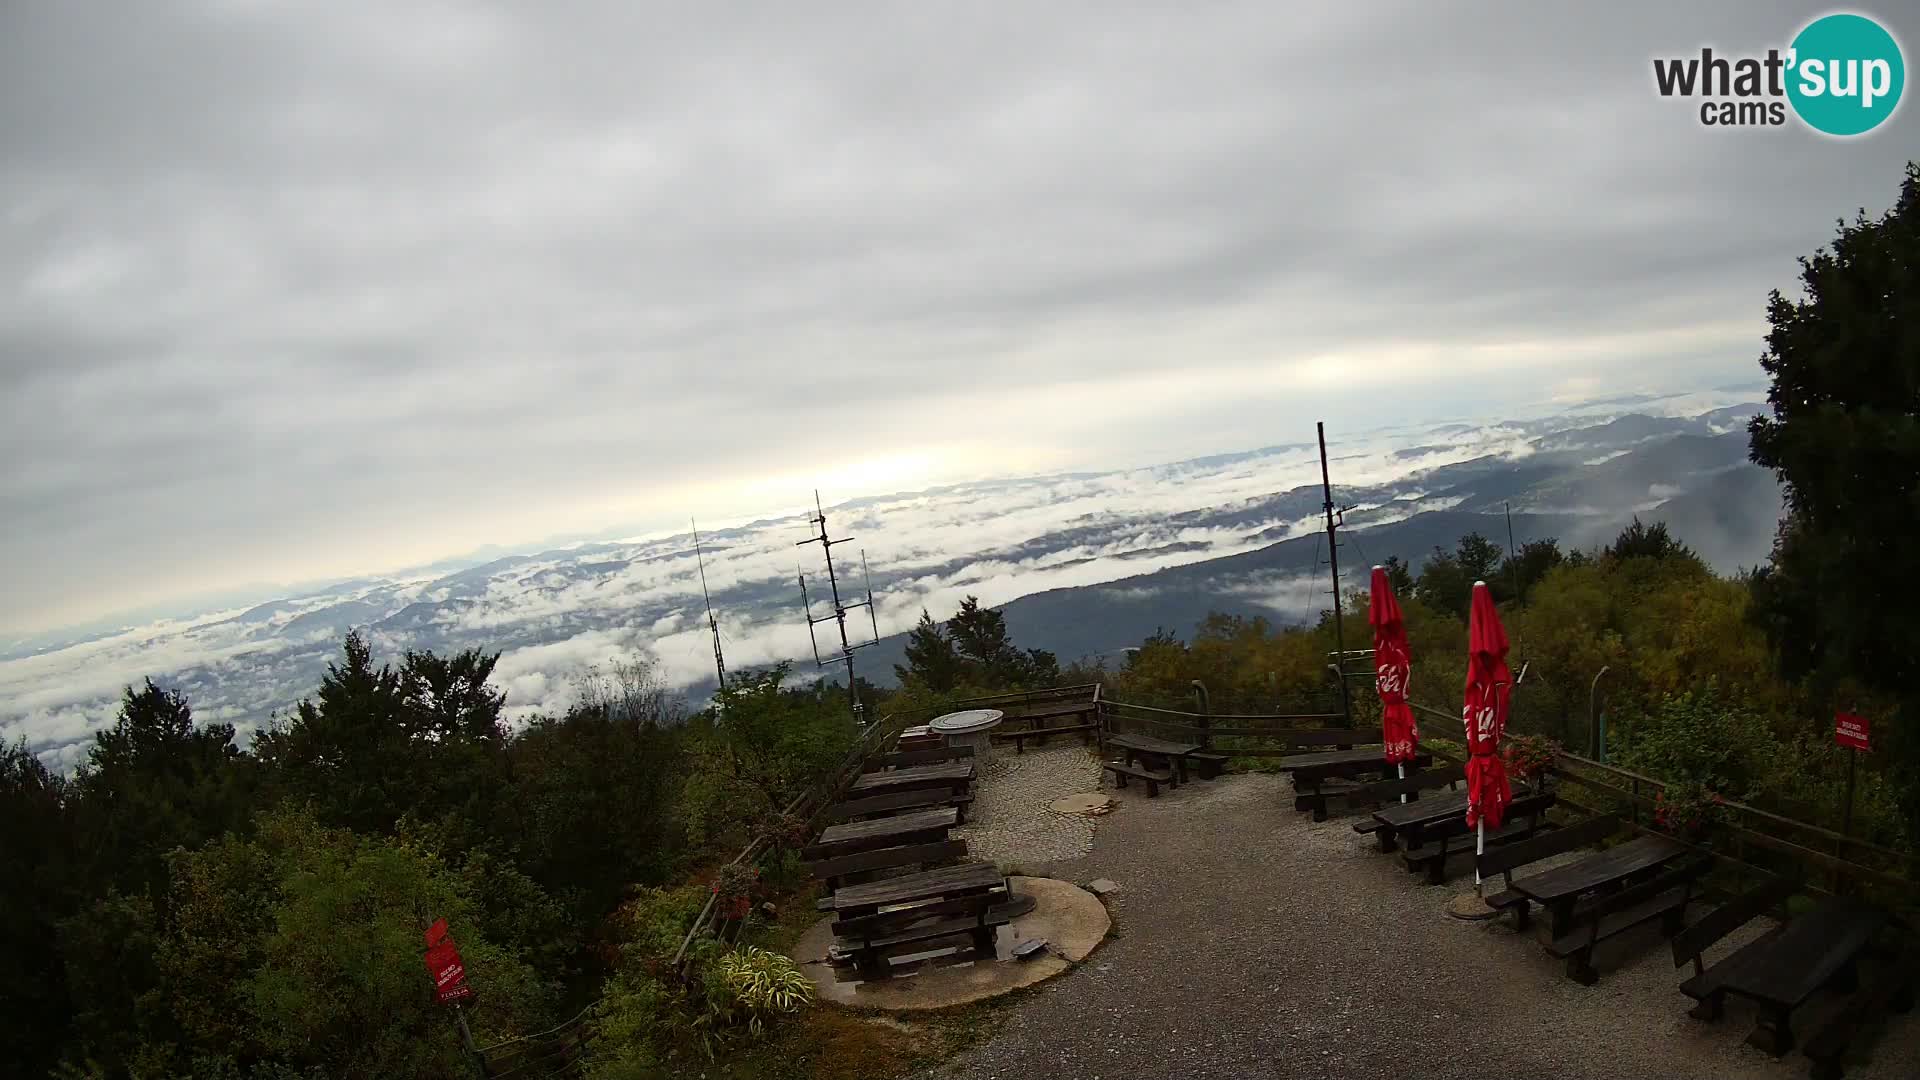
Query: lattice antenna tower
pixel 713 624
pixel 838 613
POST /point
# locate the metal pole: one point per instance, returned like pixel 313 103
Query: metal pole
pixel 1204 720
pixel 1333 561
pixel 1593 713
pixel 1846 818
pixel 466 1041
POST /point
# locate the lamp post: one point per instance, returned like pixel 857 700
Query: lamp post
pixel 1593 713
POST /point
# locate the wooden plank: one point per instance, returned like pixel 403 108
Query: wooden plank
pixel 1403 815
pixel 1601 868
pixel 887 859
pixel 1570 838
pixel 948 776
pixel 1809 953
pixel 856 925
pixel 1419 781
pixel 1041 733
pixel 1730 916
pixel 900 759
pixel 1332 759
pixel 912 798
pixel 921 886
pixel 940 818
pixel 1150 745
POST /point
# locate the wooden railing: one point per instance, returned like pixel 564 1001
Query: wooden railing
pixel 1757 838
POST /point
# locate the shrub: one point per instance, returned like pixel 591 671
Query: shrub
pixel 764 984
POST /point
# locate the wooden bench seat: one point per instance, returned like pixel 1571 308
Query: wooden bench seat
pixel 1664 897
pixel 905 759
pixel 835 870
pixel 1707 986
pixel 1312 771
pixel 1054 712
pixel 897 801
pixel 1504 859
pixel 1890 990
pixel 1020 737
pixel 1208 763
pixel 1438 842
pixel 1121 770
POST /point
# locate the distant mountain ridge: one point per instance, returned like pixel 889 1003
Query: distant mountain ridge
pixel 1082 563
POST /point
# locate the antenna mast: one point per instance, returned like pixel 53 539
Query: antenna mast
pixel 838 614
pixel 1333 560
pixel 713 624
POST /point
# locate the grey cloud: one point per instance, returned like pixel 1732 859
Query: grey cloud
pixel 321 289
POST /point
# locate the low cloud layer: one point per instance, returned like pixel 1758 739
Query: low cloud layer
pixel 554 613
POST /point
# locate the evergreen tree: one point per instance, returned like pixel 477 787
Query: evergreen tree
pixel 931 657
pixel 1844 438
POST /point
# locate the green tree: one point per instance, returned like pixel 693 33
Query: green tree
pixel 1642 541
pixel 302 947
pixel 1844 438
pixel 1399 576
pixel 1446 581
pixel 1524 569
pixel 931 657
pixel 347 754
pixel 155 781
pixel 980 637
pixel 36 893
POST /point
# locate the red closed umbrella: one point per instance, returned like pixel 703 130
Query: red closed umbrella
pixel 1392 666
pixel 1484 712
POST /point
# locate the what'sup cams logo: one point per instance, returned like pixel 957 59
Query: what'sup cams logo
pixel 1841 75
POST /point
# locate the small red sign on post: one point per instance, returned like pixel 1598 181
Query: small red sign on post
pixel 1851 731
pixel 444 964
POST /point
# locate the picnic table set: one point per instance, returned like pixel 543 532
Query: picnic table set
pixel 900 888
pixel 1591 896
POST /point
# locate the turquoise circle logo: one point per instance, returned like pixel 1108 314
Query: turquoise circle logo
pixel 1846 74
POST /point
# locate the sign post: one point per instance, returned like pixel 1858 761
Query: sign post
pixel 1852 731
pixel 450 984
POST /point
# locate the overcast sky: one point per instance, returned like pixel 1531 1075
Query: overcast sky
pixel 290 292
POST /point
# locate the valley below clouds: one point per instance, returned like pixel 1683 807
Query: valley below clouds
pixel 1231 532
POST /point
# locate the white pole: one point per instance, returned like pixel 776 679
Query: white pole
pixel 1403 776
pixel 1479 849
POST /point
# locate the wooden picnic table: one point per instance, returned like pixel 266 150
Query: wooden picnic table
pixel 1175 754
pixel 912 888
pixel 1813 950
pixel 955 775
pixel 1410 818
pixel 918 826
pixel 1558 889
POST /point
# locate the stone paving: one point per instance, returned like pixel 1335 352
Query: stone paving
pixel 1009 822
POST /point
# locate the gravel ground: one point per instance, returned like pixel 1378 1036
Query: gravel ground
pixel 1009 821
pixel 1249 945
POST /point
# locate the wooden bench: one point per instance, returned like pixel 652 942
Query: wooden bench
pixel 905 759
pixel 1890 990
pixel 1020 737
pixel 1121 770
pixel 1504 859
pixel 1387 791
pixel 1207 763
pixel 905 915
pixel 1169 757
pixel 836 870
pixel 1312 771
pixel 896 801
pixel 1561 889
pixel 1664 897
pixel 1429 846
pixel 1707 987
pixel 1815 951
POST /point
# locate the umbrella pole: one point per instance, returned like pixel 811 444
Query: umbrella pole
pixel 1403 776
pixel 1479 849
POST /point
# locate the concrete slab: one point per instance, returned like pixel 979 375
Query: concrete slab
pixel 1089 803
pixel 1071 920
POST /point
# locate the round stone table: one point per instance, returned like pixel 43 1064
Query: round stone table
pixel 970 728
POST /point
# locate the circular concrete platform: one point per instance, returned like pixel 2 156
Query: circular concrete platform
pixel 1091 803
pixel 1071 920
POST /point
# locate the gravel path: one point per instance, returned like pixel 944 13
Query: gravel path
pixel 1009 822
pixel 1248 946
